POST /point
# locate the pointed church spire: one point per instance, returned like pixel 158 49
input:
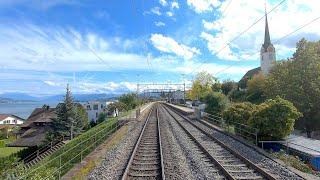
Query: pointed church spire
pixel 267 40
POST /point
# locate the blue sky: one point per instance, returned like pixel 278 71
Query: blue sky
pixel 110 46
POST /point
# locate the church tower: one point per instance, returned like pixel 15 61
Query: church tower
pixel 267 53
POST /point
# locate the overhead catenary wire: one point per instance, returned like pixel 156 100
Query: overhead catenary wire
pixel 277 41
pixel 225 9
pixel 240 34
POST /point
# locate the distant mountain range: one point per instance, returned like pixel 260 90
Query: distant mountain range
pixel 22 97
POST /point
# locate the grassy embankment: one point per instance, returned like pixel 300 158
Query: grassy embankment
pixel 61 161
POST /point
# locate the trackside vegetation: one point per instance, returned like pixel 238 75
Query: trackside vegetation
pixel 61 161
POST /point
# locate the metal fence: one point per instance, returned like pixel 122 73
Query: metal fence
pixel 242 130
pixel 74 153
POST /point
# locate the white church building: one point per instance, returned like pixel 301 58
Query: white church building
pixel 267 57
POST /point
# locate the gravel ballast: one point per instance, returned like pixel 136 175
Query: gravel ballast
pixel 114 163
pixel 198 164
pixel 250 153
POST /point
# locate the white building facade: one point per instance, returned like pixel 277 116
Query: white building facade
pixel 94 108
pixel 267 52
pixel 9 119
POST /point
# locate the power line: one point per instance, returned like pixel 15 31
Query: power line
pixel 310 22
pixel 279 40
pixel 225 9
pixel 240 34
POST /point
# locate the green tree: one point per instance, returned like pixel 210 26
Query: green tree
pixel 236 95
pixel 216 102
pixel 216 86
pixel 66 122
pixel 275 119
pixel 102 117
pixel 227 86
pixel 201 85
pixel 298 80
pixel 129 100
pixel 239 113
pixel 255 88
pixel 82 116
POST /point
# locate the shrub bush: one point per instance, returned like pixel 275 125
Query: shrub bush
pixel 236 95
pixel 239 113
pixel 216 102
pixel 275 119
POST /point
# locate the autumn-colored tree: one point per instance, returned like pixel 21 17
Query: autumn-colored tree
pixel 201 85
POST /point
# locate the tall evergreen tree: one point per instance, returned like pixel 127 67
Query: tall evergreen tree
pixel 68 121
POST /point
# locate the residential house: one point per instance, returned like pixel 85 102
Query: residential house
pixel 8 122
pixel 33 130
pixel 9 119
pixel 94 108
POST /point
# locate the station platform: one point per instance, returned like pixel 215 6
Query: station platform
pixel 186 110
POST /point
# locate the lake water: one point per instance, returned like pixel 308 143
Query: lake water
pixel 23 109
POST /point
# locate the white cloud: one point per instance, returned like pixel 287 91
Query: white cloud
pixel 105 87
pixel 215 47
pixel 169 45
pixel 51 83
pixel 163 2
pixel 31 47
pixel 241 14
pixel 159 23
pixel 200 6
pixel 156 10
pixel 174 5
pixel 208 25
pixel 169 13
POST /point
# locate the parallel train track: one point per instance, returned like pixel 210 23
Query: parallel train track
pixel 231 164
pixel 146 159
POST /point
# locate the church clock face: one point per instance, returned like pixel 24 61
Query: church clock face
pixel 270 49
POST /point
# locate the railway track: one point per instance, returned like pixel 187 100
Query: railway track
pixel 206 166
pixel 229 162
pixel 146 159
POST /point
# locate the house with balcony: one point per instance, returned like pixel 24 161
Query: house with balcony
pixel 94 108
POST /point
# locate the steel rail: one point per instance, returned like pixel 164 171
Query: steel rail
pixel 260 170
pixel 203 149
pixel 134 152
pixel 160 144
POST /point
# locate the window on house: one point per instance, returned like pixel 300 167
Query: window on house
pixel 95 107
pixel 96 115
